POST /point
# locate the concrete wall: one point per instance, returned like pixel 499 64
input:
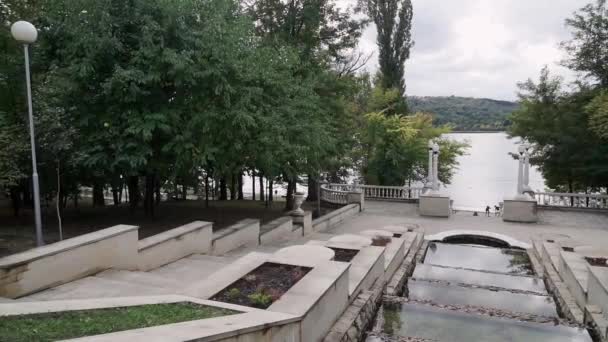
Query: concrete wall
pixel 597 288
pixel 174 244
pixel 335 217
pixel 243 233
pixel 279 229
pixel 62 262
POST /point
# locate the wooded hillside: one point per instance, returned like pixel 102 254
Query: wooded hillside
pixel 465 113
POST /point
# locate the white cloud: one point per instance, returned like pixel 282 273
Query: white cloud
pixel 481 48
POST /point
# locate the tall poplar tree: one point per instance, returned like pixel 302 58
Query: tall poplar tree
pixel 393 19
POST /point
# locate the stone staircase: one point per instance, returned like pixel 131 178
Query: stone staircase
pixel 169 279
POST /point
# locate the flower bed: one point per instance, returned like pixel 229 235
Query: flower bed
pixel 62 325
pixel 262 286
pixel 598 262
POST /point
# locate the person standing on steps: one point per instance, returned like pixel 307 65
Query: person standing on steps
pixel 496 210
pixel 488 211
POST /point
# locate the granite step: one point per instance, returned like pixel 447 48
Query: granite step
pixel 96 287
pixel 191 269
pixel 140 278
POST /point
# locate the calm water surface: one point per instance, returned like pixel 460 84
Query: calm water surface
pixel 487 174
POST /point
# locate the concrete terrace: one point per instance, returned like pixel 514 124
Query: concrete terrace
pixel 584 227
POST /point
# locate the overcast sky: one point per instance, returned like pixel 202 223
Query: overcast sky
pixel 481 48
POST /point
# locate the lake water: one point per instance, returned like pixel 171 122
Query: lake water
pixel 487 174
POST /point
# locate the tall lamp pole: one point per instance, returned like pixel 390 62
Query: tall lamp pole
pixel 27 34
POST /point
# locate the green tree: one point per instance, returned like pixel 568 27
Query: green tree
pixel 588 48
pixel 393 19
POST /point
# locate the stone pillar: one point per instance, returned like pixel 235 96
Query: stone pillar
pixel 303 219
pixel 434 203
pixel 356 197
pixel 520 210
pixel 429 177
pixel 522 207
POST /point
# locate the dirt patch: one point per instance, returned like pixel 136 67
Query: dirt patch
pixel 598 262
pixel 262 286
pixel 344 255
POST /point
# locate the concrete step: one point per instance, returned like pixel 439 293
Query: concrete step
pixel 192 269
pixel 6 300
pixel 96 287
pixel 141 278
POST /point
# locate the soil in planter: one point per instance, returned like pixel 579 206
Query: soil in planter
pixel 344 255
pixel 381 241
pixel 599 262
pixel 262 286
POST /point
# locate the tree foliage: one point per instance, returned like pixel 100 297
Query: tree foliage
pixel 588 48
pixel 393 19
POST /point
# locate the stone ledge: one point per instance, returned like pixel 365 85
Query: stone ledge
pixel 63 246
pixel 337 216
pixel 357 318
pixel 249 324
pixel 172 234
pixel 243 233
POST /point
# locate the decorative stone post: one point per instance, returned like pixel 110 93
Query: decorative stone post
pixel 356 197
pixel 433 202
pixel 300 217
pixel 522 207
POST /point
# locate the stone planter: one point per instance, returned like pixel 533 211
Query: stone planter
pixel 298 199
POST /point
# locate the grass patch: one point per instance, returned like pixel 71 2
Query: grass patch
pixel 72 324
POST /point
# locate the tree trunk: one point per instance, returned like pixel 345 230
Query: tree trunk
pixel 27 192
pixel 291 189
pixel 134 195
pixel 262 197
pixel 206 190
pixel 312 188
pixel 149 195
pixel 571 190
pixel 232 187
pixel 16 200
pixel 270 190
pixel 253 185
pixel 98 198
pixel 157 188
pixel 223 189
pixel 241 196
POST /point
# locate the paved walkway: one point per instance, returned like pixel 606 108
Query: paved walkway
pixel 586 228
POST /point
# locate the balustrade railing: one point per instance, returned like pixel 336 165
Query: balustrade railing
pixel 377 192
pixel 335 196
pixel 557 199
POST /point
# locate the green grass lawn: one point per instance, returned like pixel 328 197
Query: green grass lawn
pixel 73 324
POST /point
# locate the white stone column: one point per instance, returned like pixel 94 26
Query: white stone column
pixel 521 207
pixel 430 171
pixel 435 167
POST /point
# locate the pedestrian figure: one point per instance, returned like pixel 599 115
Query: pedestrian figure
pixel 496 210
pixel 488 211
pixel 475 214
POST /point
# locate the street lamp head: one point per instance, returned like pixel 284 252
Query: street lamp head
pixel 435 147
pixel 431 144
pixel 24 32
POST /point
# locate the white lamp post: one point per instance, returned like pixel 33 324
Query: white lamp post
pixel 435 167
pixel 27 34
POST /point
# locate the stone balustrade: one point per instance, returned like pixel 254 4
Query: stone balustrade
pixel 572 200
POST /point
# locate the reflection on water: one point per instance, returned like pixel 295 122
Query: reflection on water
pixel 444 325
pixel 531 284
pixel 487 174
pixel 479 258
pixel 502 300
